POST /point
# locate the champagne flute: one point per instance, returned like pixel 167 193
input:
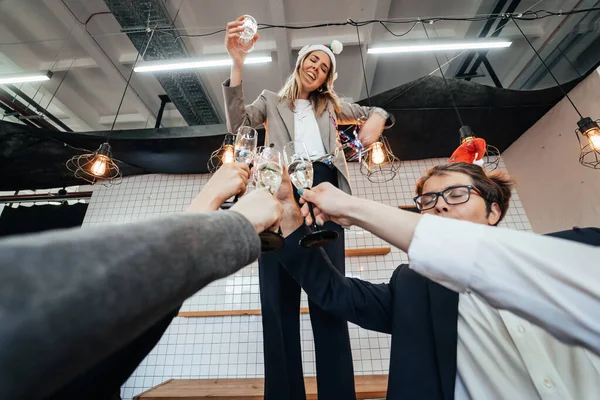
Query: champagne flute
pixel 253 174
pixel 268 170
pixel 301 173
pixel 250 28
pixel 244 147
pixel 245 144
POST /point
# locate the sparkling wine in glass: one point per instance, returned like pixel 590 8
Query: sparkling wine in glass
pixel 244 148
pixel 301 172
pixel 268 168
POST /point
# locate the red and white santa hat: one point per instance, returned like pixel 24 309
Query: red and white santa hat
pixel 471 151
pixel 336 47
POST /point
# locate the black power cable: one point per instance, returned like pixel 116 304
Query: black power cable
pixel 524 16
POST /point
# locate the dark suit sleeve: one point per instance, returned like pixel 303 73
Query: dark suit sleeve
pixel 589 236
pixel 362 303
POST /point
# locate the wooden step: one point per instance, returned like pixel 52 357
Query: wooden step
pixel 368 251
pixel 226 313
pixel 367 387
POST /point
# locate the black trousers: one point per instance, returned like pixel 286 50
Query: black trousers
pixel 280 303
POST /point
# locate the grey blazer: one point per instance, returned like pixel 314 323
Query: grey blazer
pixel 278 119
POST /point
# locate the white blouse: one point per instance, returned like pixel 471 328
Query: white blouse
pixel 306 128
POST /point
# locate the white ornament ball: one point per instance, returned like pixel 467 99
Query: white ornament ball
pixel 336 47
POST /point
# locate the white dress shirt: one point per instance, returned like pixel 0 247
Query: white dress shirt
pixel 552 282
pixel 306 128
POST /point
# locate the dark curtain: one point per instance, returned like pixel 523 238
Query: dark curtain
pixel 14 221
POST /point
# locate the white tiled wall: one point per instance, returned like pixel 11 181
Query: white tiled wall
pixel 227 347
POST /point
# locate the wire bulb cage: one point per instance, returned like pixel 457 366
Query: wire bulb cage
pixel 223 155
pixel 491 158
pixel 379 164
pixel 588 136
pixel 99 165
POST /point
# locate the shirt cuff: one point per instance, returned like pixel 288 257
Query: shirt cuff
pixel 389 118
pixel 445 250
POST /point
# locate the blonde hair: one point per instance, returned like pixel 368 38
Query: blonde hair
pixel 319 100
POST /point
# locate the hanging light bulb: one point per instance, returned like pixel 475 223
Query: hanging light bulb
pixel 587 128
pixel 377 154
pixel 97 165
pixel 466 134
pixel 100 164
pixel 588 136
pixel 593 136
pixel 228 154
pixel 478 152
pixel 491 155
pixel 379 164
pixel 223 155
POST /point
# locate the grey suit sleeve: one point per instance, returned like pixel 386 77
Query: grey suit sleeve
pixel 70 298
pixel 237 113
pixel 352 112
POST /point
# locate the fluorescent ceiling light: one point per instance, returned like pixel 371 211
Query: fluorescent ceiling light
pixel 172 65
pixel 438 47
pixel 25 77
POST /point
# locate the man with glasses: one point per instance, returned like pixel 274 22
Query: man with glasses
pixel 447 345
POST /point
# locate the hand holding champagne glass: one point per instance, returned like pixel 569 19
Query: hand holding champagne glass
pixel 245 145
pixel 301 173
pixel 247 35
pixel 268 169
pixel 240 37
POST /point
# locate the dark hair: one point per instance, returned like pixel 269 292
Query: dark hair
pixel 494 187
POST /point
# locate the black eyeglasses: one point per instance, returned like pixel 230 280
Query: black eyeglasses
pixel 452 195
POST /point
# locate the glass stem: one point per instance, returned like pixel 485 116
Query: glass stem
pixel 312 215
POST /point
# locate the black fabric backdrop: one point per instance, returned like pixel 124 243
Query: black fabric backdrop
pixel 21 220
pixel 426 127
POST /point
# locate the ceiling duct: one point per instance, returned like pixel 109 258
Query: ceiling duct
pixel 184 88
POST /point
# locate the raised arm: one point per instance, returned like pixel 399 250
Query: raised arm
pixel 375 121
pixel 554 283
pixel 551 282
pixel 236 112
pixel 69 299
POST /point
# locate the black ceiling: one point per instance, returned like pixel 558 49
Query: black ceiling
pixel 426 127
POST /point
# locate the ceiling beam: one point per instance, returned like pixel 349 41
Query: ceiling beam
pixel 68 117
pixel 381 11
pixel 67 64
pixel 115 72
pixel 46 92
pixel 136 117
pixel 555 29
pixel 183 15
pixel 75 106
pixel 284 52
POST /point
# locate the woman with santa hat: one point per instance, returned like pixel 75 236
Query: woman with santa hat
pixel 306 109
